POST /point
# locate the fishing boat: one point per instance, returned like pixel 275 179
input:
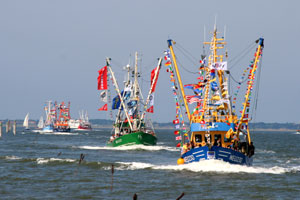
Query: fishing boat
pixel 50 110
pixel 84 123
pixel 61 124
pixel 215 130
pixel 25 123
pixel 131 126
pixel 74 123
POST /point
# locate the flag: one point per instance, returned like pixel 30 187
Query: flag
pixel 168 63
pixel 116 102
pixel 178 145
pixel 103 108
pixel 102 79
pixel 219 66
pixel 153 82
pixel 177 126
pixel 132 103
pixel 103 96
pixel 176 121
pixel 193 99
pixel 178 138
pixel 176 132
pixel 150 110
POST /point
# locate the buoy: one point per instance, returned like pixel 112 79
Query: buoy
pixel 180 161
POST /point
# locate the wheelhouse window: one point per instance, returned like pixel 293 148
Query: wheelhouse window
pixel 198 138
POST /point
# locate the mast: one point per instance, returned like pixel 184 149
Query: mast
pixel 179 79
pixel 118 91
pixel 251 82
pixel 150 90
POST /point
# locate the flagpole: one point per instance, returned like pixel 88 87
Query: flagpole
pixel 118 91
pixel 151 88
pixel 179 80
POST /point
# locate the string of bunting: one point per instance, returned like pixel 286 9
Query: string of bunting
pixel 181 130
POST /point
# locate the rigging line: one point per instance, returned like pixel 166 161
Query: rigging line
pixel 117 64
pixel 236 80
pixel 241 57
pixel 250 46
pixel 185 68
pixel 186 52
pixel 257 89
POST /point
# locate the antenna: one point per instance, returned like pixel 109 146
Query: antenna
pixel 215 27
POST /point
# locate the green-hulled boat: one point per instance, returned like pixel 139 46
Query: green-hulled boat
pixel 139 137
pixel 131 126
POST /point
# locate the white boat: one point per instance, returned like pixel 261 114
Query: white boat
pixel 25 123
pixel 74 123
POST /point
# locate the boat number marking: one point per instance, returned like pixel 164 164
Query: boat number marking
pixel 235 158
pixel 189 158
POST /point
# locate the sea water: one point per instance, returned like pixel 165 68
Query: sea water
pixel 46 166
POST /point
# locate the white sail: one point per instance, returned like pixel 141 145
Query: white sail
pixel 25 123
pixel 41 123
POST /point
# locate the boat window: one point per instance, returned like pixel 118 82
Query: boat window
pixel 198 138
pixel 217 136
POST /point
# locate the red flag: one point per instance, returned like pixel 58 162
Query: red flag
pixel 152 77
pixel 178 145
pixel 176 121
pixel 178 138
pixel 103 108
pixel 150 110
pixel 102 79
pixel 176 132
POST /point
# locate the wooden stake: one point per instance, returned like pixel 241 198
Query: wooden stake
pixel 112 177
pixel 182 194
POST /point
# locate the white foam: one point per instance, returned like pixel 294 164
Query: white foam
pixel 47 160
pixel 216 166
pixel 265 151
pixel 132 147
pixel 12 158
pixel 58 133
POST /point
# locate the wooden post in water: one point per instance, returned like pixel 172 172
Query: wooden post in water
pixel 135 196
pixel 112 177
pixel 7 126
pixel 15 127
pixel 0 129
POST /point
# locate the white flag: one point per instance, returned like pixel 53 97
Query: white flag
pixel 219 66
pixel 103 96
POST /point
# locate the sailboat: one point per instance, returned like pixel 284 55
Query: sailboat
pixel 25 123
pixel 215 130
pixel 130 126
pixel 41 123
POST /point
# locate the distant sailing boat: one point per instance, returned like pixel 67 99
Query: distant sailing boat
pixel 41 123
pixel 25 123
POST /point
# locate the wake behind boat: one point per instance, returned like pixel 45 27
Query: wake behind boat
pixel 215 131
pixel 131 126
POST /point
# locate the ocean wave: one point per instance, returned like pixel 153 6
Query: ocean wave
pixel 132 147
pixel 47 160
pixel 59 133
pixel 265 151
pixel 214 166
pixel 13 158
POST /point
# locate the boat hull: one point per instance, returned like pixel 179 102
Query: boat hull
pixel 133 139
pixel 218 153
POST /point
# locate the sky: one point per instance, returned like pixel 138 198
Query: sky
pixel 52 50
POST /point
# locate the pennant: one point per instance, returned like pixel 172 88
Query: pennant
pixel 103 108
pixel 178 138
pixel 102 79
pixel 168 63
pixel 176 132
pixel 153 82
pixel 150 110
pixel 176 121
pixel 219 66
